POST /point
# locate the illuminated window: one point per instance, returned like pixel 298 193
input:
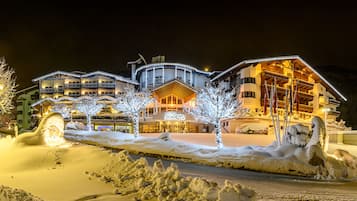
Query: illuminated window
pixel 247 80
pixel 248 94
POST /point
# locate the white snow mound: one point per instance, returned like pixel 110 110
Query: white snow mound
pixel 138 178
pixel 14 194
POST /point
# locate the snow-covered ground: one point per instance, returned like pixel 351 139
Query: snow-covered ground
pixel 287 159
pixel 82 172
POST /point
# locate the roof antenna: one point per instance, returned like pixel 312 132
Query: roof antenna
pixel 142 58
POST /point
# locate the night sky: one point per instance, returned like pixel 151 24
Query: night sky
pixel 37 39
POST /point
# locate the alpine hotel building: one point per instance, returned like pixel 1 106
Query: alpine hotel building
pixel 174 84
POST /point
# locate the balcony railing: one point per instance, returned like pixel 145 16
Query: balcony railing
pixel 90 85
pixel 107 85
pixel 47 90
pixel 334 102
pixel 74 95
pixel 59 90
pixel 73 85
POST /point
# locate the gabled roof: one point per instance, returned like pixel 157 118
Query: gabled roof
pixel 296 57
pixel 56 73
pixel 175 87
pixel 116 77
pixel 173 81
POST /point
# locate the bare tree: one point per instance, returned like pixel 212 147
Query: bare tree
pixel 89 107
pixel 213 104
pixel 131 103
pixel 7 87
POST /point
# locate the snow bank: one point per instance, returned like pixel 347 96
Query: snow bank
pixel 289 159
pixel 13 194
pixel 137 178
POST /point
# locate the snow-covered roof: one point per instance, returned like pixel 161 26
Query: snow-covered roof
pixel 172 64
pixel 252 61
pixel 68 98
pixel 56 73
pixel 116 77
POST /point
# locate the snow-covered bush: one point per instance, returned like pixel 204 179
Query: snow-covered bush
pixel 74 125
pixel 138 178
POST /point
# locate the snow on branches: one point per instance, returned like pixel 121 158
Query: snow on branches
pixel 131 103
pixel 7 87
pixel 63 109
pixel 89 107
pixel 214 103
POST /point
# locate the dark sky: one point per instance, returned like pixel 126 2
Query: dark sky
pixel 87 36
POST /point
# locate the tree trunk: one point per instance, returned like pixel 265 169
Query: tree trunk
pixel 89 123
pixel 218 130
pixel 136 125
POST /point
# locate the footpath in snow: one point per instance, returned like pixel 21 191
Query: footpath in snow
pixel 286 159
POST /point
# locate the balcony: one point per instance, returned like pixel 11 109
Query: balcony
pixel 47 90
pixel 305 108
pixel 333 101
pixel 73 86
pixel 90 85
pixel 334 113
pixel 59 89
pixel 107 85
pixel 271 76
pixel 303 84
pixel 74 95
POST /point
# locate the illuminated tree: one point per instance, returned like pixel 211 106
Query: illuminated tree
pixel 89 107
pixel 63 109
pixel 7 87
pixel 214 103
pixel 131 103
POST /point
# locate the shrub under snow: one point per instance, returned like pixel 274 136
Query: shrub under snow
pixel 138 178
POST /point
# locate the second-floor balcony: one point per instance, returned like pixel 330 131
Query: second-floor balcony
pixel 107 85
pixel 73 85
pixel 59 90
pixel 47 90
pixel 90 85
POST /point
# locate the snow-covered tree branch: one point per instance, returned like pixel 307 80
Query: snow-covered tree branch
pixel 214 104
pixel 63 109
pixel 7 86
pixel 131 103
pixel 89 107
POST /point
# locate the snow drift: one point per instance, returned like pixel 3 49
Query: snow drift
pixel 291 158
pixel 136 177
pixel 13 194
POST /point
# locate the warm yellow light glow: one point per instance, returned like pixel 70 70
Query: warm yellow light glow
pixel 326 109
pixel 206 69
pixel 53 131
pixel 1 86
